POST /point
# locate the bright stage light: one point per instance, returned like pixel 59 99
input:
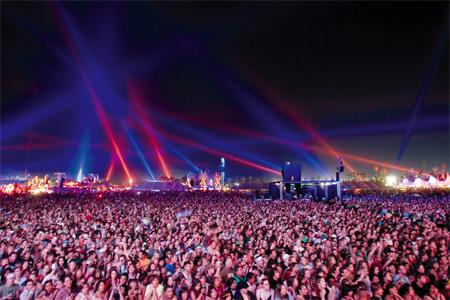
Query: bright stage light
pixel 391 180
pixel 80 175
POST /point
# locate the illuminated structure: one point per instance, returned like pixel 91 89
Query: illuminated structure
pixel 12 189
pixel 222 171
pixel 217 181
pixel 203 180
pixel 38 185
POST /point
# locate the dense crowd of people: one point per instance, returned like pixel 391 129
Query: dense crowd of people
pixel 209 245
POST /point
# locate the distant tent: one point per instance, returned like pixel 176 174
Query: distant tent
pixel 432 180
pixel 418 182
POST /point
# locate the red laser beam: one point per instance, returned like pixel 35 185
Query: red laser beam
pixel 366 160
pixel 110 170
pixel 254 134
pixel 278 101
pixel 242 161
pixel 94 97
pixel 343 154
pixel 349 156
pixel 136 100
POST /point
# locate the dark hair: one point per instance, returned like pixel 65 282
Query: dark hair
pixel 48 281
pixel 195 282
pixel 230 281
pixel 98 284
pixel 187 263
pixel 387 289
pixel 403 290
pixel 376 286
pixel 29 280
pixel 183 290
pixel 153 277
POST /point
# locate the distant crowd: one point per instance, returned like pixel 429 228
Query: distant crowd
pixel 211 245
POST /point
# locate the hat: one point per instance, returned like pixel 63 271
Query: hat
pixel 242 285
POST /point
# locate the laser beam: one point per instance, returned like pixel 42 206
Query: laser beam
pixel 136 100
pixel 239 160
pixel 139 152
pixel 275 98
pixel 61 18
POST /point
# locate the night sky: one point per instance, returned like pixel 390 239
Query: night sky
pixel 195 81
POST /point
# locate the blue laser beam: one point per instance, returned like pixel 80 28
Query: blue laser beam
pixel 183 157
pixel 422 93
pixel 139 152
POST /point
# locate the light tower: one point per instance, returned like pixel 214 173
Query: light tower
pixel 339 171
pixel 222 171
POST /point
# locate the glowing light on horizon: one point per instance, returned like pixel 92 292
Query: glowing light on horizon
pixel 80 175
pixel 82 156
pixel 391 180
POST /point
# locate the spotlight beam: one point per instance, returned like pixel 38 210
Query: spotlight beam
pixel 239 160
pixel 342 154
pixel 110 170
pixel 252 103
pixel 136 100
pixel 365 160
pixel 211 139
pixel 139 151
pixel 422 94
pixel 93 94
pixel 184 158
pixel 275 98
pixel 257 135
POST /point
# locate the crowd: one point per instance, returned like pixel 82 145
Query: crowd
pixel 208 245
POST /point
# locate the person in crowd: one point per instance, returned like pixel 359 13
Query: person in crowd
pixel 265 292
pixel 84 294
pixel 49 291
pixel 66 290
pixel 29 291
pixel 9 289
pixel 155 290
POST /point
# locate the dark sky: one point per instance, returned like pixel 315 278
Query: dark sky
pixel 221 74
